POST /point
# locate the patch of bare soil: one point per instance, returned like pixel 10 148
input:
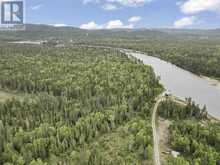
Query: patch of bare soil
pixel 163 132
pixel 5 96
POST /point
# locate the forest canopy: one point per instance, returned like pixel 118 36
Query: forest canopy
pixel 79 106
pixel 192 134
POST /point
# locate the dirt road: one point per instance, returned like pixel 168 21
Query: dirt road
pixel 155 134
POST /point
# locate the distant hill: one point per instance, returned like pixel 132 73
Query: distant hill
pixel 195 33
pixel 42 32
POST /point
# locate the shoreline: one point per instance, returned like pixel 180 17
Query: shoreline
pixel 213 119
pixel 213 82
pixel 183 102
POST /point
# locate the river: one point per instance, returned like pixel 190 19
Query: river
pixel 184 84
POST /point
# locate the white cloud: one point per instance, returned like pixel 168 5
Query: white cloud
pixel 134 19
pixel 117 24
pixel 91 26
pixel 109 7
pixel 130 3
pixel 113 24
pixel 59 25
pixel 196 6
pixel 185 21
pixel 125 3
pixel 36 7
pixel 88 1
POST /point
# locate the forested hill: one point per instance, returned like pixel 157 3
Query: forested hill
pixel 41 32
pixel 195 50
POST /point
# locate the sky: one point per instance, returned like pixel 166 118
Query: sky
pixel 110 14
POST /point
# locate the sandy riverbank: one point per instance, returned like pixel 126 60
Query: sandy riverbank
pixel 213 82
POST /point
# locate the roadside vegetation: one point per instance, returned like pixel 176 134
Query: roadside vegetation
pixel 192 134
pixel 84 106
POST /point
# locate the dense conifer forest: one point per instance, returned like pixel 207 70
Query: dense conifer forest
pixel 192 134
pixel 201 57
pixel 78 106
pixel 195 50
pixel 75 105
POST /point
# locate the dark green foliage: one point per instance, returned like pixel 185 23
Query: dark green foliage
pixel 192 134
pixel 193 50
pixel 199 144
pixel 171 110
pixel 197 53
pixel 128 144
pixel 177 161
pixel 74 97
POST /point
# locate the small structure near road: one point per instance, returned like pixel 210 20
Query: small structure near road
pixel 175 154
pixel 167 94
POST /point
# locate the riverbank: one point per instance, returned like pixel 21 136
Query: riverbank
pixel 184 84
pixel 182 102
pixel 213 82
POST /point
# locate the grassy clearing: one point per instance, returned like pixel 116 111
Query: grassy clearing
pixel 6 95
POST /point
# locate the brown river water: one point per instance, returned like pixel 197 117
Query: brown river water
pixel 184 84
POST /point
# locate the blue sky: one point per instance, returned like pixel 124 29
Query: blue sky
pixel 109 14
